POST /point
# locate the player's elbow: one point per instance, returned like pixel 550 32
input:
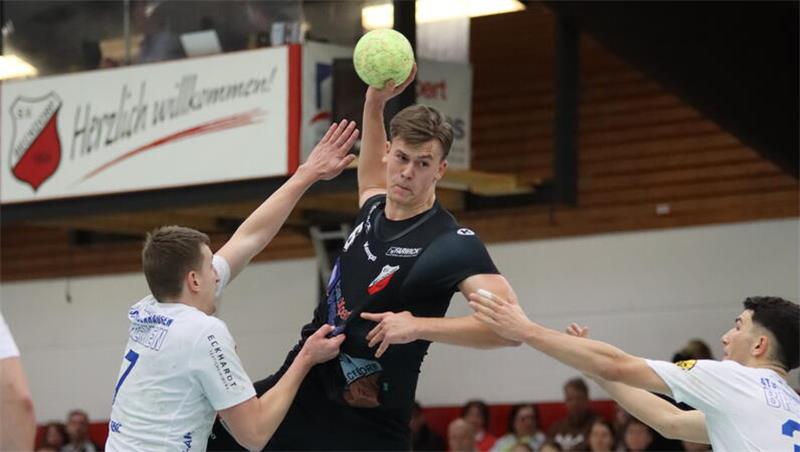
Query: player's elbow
pixel 254 440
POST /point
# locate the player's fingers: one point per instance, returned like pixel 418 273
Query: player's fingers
pixel 329 133
pixel 480 309
pixel 345 147
pixel 323 331
pixel 374 332
pixel 382 349
pixel 485 319
pixel 345 162
pixel 339 130
pixel 374 316
pixel 345 135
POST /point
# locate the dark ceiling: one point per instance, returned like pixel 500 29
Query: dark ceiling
pixel 736 62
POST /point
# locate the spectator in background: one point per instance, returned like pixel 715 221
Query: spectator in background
pixel 422 437
pixel 523 427
pixel 53 438
pixel 601 436
pixel 694 349
pixel 638 437
pixel 522 447
pixel 17 420
pixel 570 432
pixel 476 412
pixel 78 433
pixel 550 446
pixel 460 436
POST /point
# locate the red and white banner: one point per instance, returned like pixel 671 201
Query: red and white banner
pixel 194 121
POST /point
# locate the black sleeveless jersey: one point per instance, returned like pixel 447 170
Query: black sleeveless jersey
pixel 411 265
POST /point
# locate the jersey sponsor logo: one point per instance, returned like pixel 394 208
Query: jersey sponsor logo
pixel 221 363
pixel 148 318
pixel 382 280
pixel 686 365
pixel 465 231
pixel 370 256
pixel 352 237
pixel 187 441
pixel 399 251
pixel 114 426
pixel 341 310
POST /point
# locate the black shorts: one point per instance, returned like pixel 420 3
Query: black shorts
pixel 314 422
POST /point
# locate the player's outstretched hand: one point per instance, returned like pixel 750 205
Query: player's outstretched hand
pixel 390 90
pixel 504 317
pixel 392 328
pixel 320 348
pixel 330 156
pixel 577 330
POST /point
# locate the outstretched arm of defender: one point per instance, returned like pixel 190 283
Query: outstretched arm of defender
pixel 506 318
pixel 326 161
pixel 254 421
pixel 371 167
pixel 668 420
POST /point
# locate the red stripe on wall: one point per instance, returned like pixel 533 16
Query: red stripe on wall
pixel 294 110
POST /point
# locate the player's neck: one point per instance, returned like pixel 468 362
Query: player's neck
pixel 773 366
pixel 398 212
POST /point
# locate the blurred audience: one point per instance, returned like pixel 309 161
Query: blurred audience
pixel 550 446
pixel 570 432
pixel 601 436
pixel 422 437
pixel 523 428
pixel 53 438
pixel 78 433
pixel 476 412
pixel 460 436
pixel 637 436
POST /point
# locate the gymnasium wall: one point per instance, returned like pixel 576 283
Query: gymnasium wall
pixel 648 292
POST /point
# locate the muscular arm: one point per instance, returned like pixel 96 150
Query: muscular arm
pixel 467 331
pixel 326 161
pixel 371 166
pixel 664 417
pixel 254 421
pixel 18 423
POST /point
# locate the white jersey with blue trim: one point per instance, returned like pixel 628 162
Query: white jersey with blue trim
pixel 746 408
pixel 180 367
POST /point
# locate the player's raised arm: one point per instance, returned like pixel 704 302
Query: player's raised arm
pixel 326 161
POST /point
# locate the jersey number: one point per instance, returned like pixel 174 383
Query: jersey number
pixel 788 429
pixel 131 356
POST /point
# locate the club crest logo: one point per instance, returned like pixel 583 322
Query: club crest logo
pixel 382 280
pixel 35 146
pixel 686 365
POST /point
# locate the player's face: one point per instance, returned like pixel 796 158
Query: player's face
pixel 738 341
pixel 208 279
pixel 412 171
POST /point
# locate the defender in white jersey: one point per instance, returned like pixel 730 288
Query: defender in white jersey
pixel 17 420
pixel 180 366
pixel 742 403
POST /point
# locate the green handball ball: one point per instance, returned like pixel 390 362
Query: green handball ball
pixel 383 55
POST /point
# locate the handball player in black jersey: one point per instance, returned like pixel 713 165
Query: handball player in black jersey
pixel 389 292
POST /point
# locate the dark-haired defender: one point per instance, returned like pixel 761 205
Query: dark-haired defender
pixel 745 400
pixel 399 268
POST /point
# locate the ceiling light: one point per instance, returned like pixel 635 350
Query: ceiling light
pixel 382 15
pixel 12 66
